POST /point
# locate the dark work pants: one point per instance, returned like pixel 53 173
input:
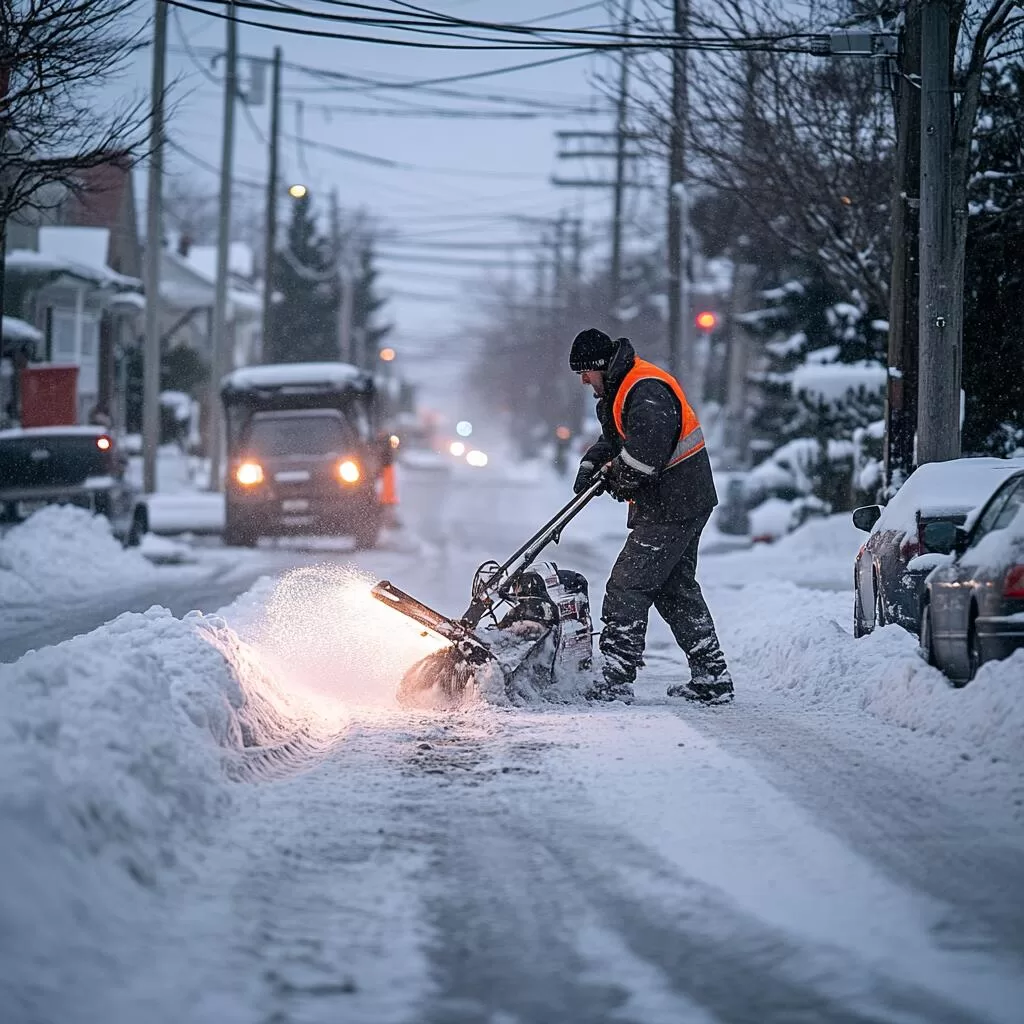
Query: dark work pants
pixel 657 566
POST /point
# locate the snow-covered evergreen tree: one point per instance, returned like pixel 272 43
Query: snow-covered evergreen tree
pixel 993 352
pixel 304 322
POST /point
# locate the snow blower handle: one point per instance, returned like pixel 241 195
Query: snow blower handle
pixel 504 576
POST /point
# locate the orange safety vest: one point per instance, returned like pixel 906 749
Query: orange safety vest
pixel 691 437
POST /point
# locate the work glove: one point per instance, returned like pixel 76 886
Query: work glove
pixel 622 481
pixel 584 476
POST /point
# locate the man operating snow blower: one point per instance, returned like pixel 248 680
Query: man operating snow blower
pixel 659 464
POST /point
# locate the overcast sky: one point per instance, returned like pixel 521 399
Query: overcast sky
pixel 466 176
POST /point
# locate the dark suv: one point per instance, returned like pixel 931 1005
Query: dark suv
pixel 74 465
pixel 304 456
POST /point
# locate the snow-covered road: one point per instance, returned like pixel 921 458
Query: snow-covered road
pixel 227 819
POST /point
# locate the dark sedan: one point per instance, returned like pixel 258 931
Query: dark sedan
pixel 974 605
pixel 889 574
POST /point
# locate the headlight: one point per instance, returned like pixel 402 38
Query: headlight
pixel 103 443
pixel 457 448
pixel 249 474
pixel 348 471
pixel 476 457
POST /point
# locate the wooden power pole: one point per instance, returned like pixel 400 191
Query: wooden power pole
pixel 678 264
pixel 270 231
pixel 938 416
pixel 221 356
pixel 621 123
pixel 154 245
pixel 901 392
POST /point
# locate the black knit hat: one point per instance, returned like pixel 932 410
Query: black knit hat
pixel 591 350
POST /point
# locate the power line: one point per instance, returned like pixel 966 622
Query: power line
pixel 448 261
pixel 815 43
pixel 382 161
pixel 207 166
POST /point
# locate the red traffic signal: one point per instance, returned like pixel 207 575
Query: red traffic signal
pixel 706 320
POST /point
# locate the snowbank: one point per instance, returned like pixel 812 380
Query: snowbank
pixel 819 553
pixel 116 750
pixel 61 552
pixel 785 643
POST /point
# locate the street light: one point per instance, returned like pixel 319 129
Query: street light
pixel 298 191
pixel 387 355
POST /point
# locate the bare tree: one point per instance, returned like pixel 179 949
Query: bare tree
pixel 53 55
pixel 797 147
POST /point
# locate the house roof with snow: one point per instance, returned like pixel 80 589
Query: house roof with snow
pixel 240 260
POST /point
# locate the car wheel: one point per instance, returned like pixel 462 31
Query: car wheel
pixel 975 659
pixel 138 529
pixel 239 535
pixel 859 626
pixel 367 532
pixel 880 616
pixel 927 647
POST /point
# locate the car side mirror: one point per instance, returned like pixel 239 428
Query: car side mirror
pixel 940 538
pixel 865 517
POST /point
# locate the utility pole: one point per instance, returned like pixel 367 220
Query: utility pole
pixel 621 114
pixel 938 415
pixel 679 349
pixel 270 234
pixel 219 347
pixel 154 239
pixel 901 390
pixel 346 289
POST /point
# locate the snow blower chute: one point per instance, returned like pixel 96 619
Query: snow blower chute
pixel 539 624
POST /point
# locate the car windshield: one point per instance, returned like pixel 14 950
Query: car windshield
pixel 321 434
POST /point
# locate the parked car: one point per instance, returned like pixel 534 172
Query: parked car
pixel 889 575
pixel 306 446
pixel 74 465
pixel 974 604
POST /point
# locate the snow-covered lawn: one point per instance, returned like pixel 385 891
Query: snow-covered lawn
pixel 227 818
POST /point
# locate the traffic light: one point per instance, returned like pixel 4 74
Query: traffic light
pixel 706 320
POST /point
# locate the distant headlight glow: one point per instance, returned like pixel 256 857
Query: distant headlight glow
pixel 249 474
pixel 476 458
pixel 349 472
pixel 457 448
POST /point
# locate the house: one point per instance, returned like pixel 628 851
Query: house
pixel 187 289
pixel 73 272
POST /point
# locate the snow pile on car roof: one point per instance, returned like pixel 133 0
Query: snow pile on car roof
pixel 945 487
pixel 63 551
pixel 117 750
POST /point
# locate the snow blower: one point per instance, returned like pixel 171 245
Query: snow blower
pixel 539 626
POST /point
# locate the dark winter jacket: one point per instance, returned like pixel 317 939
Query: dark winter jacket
pixel 652 417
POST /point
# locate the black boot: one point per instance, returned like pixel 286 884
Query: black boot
pixel 705 687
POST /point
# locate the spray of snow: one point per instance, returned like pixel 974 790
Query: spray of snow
pixel 331 640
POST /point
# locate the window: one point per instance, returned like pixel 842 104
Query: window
pixel 298 435
pixel 90 336
pixel 1000 511
pixel 63 339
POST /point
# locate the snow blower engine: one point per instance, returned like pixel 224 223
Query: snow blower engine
pixel 527 627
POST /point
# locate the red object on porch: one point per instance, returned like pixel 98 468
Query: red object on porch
pixel 49 396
